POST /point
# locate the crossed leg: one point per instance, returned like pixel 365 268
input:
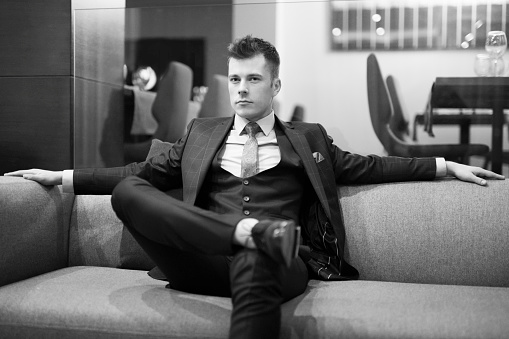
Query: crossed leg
pixel 189 243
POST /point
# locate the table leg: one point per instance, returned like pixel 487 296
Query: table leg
pixel 496 138
pixel 465 132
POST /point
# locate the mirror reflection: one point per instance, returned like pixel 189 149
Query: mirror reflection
pixel 321 83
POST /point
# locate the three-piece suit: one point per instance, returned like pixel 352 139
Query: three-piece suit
pixel 194 234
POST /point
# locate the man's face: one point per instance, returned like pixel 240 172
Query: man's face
pixel 251 88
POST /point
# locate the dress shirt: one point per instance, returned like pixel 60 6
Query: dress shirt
pixel 269 155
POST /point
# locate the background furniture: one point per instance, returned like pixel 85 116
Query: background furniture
pixel 157 52
pixel 170 109
pixel 217 99
pixel 381 112
pixel 298 113
pixel 399 122
pixel 70 269
pixel 463 120
pixel 476 92
pixel 139 122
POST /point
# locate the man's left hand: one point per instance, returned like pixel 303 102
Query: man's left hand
pixel 473 174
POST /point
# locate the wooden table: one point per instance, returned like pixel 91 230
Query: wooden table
pixel 476 92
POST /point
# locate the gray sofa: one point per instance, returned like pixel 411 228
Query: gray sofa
pixel 433 259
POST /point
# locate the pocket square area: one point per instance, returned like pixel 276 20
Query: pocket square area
pixel 318 157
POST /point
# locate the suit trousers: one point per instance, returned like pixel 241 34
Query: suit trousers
pixel 193 247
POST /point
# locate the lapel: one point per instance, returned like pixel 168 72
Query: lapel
pixel 202 160
pixel 301 146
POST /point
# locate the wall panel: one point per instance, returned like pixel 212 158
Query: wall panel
pixel 35 127
pixel 35 37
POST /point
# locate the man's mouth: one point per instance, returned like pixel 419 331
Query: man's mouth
pixel 243 102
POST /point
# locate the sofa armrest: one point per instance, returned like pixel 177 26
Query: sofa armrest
pixel 34 228
pixel 439 232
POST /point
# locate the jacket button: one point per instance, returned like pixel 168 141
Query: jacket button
pixel 246 212
pixel 246 199
pixel 245 182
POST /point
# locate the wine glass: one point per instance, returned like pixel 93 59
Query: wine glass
pixel 496 44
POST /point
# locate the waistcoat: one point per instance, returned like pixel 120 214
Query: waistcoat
pixel 273 193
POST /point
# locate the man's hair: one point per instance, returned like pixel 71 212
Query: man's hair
pixel 248 47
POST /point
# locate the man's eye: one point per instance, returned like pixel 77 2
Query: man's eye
pixel 234 79
pixel 254 79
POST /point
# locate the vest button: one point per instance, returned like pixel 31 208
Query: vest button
pixel 246 199
pixel 246 212
pixel 245 182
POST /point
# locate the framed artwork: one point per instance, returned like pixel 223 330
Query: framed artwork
pixel 414 24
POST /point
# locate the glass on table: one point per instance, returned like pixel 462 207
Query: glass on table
pixel 483 65
pixel 496 44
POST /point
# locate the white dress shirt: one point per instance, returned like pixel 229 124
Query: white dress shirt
pixel 269 155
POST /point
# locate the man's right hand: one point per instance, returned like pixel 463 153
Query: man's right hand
pixel 44 177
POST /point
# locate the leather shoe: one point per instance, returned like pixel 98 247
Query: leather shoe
pixel 279 239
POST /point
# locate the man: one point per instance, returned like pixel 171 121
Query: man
pixel 235 233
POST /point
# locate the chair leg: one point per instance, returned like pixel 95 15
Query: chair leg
pixel 487 161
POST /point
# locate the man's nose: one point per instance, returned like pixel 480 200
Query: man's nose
pixel 243 88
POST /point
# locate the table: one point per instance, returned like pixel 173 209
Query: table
pixel 476 92
pixel 139 123
pixel 462 119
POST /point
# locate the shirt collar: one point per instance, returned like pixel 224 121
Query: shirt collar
pixel 266 123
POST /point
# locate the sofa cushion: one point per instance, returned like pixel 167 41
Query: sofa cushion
pixel 157 147
pixel 98 238
pixel 97 302
pixel 371 309
pixel 439 232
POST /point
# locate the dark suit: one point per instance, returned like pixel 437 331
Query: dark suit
pixel 186 166
pixel 326 165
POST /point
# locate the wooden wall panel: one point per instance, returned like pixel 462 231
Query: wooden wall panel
pixel 35 37
pixel 35 126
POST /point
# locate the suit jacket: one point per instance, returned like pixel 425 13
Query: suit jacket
pixel 187 163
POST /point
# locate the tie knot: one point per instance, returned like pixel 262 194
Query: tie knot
pixel 252 128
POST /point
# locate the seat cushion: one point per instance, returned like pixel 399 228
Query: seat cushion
pixel 374 309
pixel 100 302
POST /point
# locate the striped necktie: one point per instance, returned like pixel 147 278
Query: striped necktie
pixel 249 163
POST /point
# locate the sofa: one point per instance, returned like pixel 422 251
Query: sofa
pixel 433 259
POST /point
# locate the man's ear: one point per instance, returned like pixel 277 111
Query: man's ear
pixel 276 84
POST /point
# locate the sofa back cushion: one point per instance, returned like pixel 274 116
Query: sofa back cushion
pixel 438 232
pixel 98 237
